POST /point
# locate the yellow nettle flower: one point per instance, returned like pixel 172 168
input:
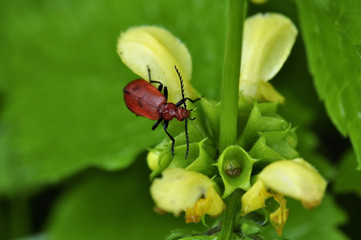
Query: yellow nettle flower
pixel 267 42
pixel 293 178
pixel 181 190
pixel 157 48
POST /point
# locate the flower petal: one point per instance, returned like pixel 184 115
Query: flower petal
pixel 179 190
pixel 267 42
pixel 157 48
pixel 279 217
pixel 255 198
pixel 295 178
pixel 211 204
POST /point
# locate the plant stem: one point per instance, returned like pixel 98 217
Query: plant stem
pixel 231 70
pixel 229 98
pixel 232 204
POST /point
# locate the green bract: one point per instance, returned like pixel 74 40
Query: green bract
pixel 235 167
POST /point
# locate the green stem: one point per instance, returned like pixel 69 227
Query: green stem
pixel 231 71
pixel 232 204
pixel 229 98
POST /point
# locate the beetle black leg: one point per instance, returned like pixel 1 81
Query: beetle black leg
pixel 160 87
pixel 148 69
pixel 165 126
pixel 157 123
pixel 184 99
pixel 165 93
pixel 187 137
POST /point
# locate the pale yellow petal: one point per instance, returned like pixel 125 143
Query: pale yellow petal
pixel 254 198
pixel 270 94
pixel 210 204
pixel 267 42
pixel 297 179
pixel 179 189
pixel 157 48
pixel 279 217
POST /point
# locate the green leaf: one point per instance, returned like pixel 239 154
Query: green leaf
pixel 110 206
pixel 348 179
pixel 331 30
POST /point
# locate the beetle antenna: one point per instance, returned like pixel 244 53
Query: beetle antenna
pixel 182 86
pixel 187 137
pixel 185 106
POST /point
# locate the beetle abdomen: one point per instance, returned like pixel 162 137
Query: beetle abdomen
pixel 143 99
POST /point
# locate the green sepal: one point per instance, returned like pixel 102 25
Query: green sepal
pixel 263 153
pixel 250 228
pixel 284 142
pixel 262 119
pixel 179 161
pixel 238 157
pixel 200 159
pixel 269 109
pixel 211 110
pixel 205 160
pixel 274 146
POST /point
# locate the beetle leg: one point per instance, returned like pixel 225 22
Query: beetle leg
pixel 160 87
pixel 165 126
pixel 150 79
pixel 157 123
pixel 187 137
pixel 165 93
pixel 184 99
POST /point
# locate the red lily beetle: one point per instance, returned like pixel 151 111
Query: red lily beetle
pixel 143 99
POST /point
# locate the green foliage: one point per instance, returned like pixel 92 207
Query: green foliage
pixel 348 180
pixel 62 111
pixel 331 30
pixel 107 206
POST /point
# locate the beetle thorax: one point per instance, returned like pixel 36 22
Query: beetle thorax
pixel 168 111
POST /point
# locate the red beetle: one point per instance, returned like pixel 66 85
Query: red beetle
pixel 143 99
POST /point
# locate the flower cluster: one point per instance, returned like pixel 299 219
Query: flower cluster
pixel 264 163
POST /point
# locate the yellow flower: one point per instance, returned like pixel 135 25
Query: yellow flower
pixel 267 42
pixel 293 178
pixel 157 48
pixel 181 190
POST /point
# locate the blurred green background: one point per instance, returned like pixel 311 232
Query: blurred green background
pixel 66 137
